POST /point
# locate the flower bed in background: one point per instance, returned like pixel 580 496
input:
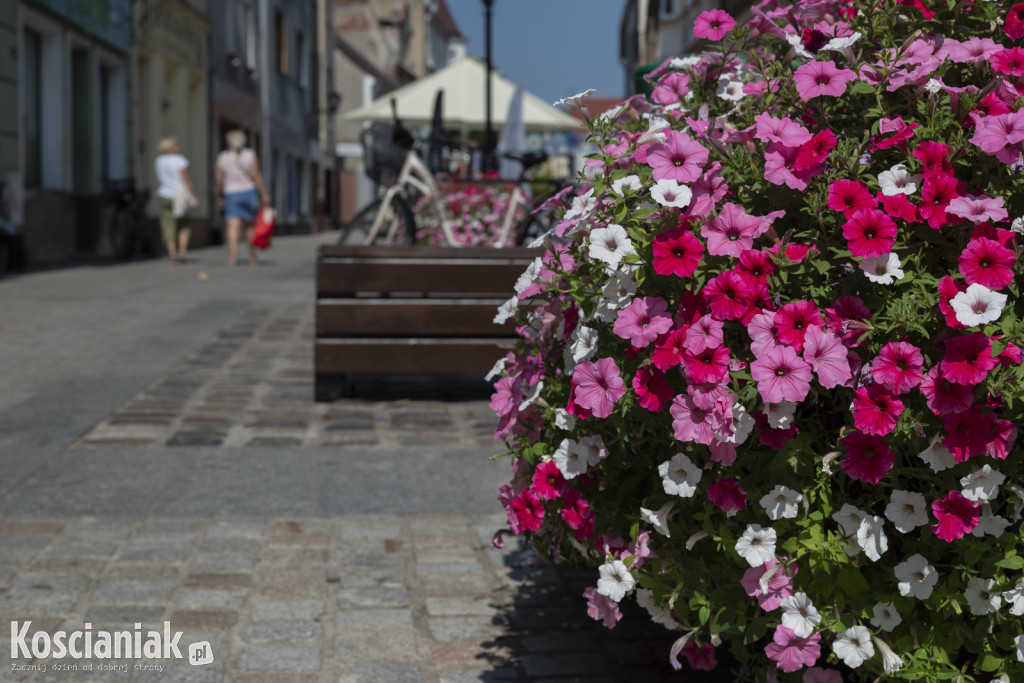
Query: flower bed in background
pixel 476 212
pixel 770 369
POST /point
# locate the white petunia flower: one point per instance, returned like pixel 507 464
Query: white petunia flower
pixel 610 244
pixel 980 596
pixel 656 127
pixel 853 646
pixel 849 517
pixel 1015 599
pixel 574 457
pixel 581 206
pixel 978 305
pixel 617 294
pixel 907 510
pixel 799 614
pixel 983 484
pixel 659 615
pixel 989 524
pixel 756 545
pixel 679 476
pixel 916 577
pixel 496 369
pixel 886 616
pixel 532 396
pixel 871 537
pixel 1018 225
pixel 884 269
pixel 658 518
pixel 780 415
pixel 898 180
pixel 839 44
pixel 615 580
pixel 506 310
pixel 575 100
pixel 564 419
pixel 933 86
pixel 630 182
pixel 529 276
pixel 584 343
pixel 730 89
pixel 782 502
pixel 742 425
pixel 680 63
pixel 1019 642
pixel 891 662
pixel 937 456
pixel 668 192
pixel 796 41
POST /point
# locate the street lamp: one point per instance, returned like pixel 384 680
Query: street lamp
pixel 489 162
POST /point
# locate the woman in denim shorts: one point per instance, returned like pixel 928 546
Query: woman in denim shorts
pixel 240 191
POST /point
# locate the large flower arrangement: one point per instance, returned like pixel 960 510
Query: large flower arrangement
pixel 770 370
pixel 476 212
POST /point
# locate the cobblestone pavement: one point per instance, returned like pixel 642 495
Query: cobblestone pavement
pixel 169 464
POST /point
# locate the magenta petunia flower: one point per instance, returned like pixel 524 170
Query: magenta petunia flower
pixel 732 231
pixel 968 432
pixel 986 262
pixel 792 321
pixel 944 397
pixel 528 510
pixel 827 356
pixel 784 131
pixel 791 652
pixel 936 194
pixel 727 495
pixel 597 386
pixel 781 375
pixel 899 367
pixel 643 320
pixel 1013 25
pixel 727 295
pixel 875 410
pixel 948 289
pixel 868 457
pixel 821 78
pixel 957 516
pixel 709 365
pixel 898 206
pixel 700 656
pixel 978 209
pixel 676 252
pixel 968 359
pixel 653 391
pixel 869 232
pixel 677 158
pixel 755 266
pixel 1009 61
pixel 850 196
pixel 934 157
pixel 815 151
pixel 713 24
pixel 846 318
pixel 548 482
pixel 669 351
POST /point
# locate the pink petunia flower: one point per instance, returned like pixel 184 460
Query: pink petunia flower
pixel 669 351
pixel 693 419
pixel 676 252
pixel 986 262
pixel 710 365
pixel 653 391
pixel 976 49
pixel 869 232
pixel 968 432
pixel 936 194
pixel 868 457
pixel 671 87
pixel 1009 61
pixel 763 332
pixel 875 410
pixel 602 608
pixel 784 131
pixel 781 375
pixel 850 196
pixel 548 482
pixel 700 657
pixel 968 359
pixel 597 386
pixel 899 367
pixel 528 510
pixel 846 317
pixel 780 585
pixel 643 320
pixel 707 191
pixel 727 296
pixel 821 78
pixel 727 495
pixel 780 167
pixel 818 675
pixel 1013 25
pixel 678 158
pixel 706 333
pixel 732 231
pixel 827 356
pixel 815 151
pixel 944 397
pixel 995 133
pixel 957 516
pixel 713 24
pixel 978 209
pixel 791 652
pixel 792 321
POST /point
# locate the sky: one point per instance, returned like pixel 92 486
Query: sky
pixel 554 48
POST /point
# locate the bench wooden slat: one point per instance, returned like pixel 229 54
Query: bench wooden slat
pixel 490 253
pixel 424 317
pixel 408 356
pixel 338 279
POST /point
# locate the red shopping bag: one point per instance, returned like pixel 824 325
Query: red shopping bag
pixel 263 228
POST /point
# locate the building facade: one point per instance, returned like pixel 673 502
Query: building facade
pixel 73 111
pixel 171 95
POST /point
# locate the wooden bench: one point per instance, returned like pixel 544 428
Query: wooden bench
pixel 410 310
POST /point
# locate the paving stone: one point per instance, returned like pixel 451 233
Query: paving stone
pixel 223 562
pixel 303 540
pixel 182 673
pixel 376 672
pixel 292 588
pixel 38 602
pixel 235 530
pixel 372 597
pixel 156 554
pixel 373 619
pixel 482 606
pixel 563 665
pixel 470 652
pixel 30 528
pixel 477 675
pixel 370 530
pixel 274 442
pixel 293 555
pixel 213 598
pixel 520 576
pixel 196 439
pixel 557 642
pixel 375 645
pixel 374 578
pixel 270 610
pixel 62 584
pixel 89 567
pixel 125 614
pixel 162 538
pixel 22 542
pixel 93 530
pixel 375 561
pixel 453 584
pixel 83 549
pixel 282 631
pixel 277 677
pixel 230 545
pixel 423 569
pixel 204 619
pixel 217 581
pixel 280 657
pixel 132 592
pixel 457 627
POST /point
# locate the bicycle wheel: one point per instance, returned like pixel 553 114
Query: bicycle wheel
pixel 355 231
pixel 397 225
pixel 534 226
pixel 122 234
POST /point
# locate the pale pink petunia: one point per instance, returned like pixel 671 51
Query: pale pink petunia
pixel 974 50
pixel 779 586
pixel 784 131
pixel 780 167
pixel 679 158
pixel 597 386
pixel 713 24
pixel 732 231
pixel 602 608
pixel 706 333
pixel 827 356
pixel 791 652
pixel 643 320
pixel 707 191
pixel 821 78
pixel 978 209
pixel 993 133
pixel 763 332
pixel 781 375
pixel 693 419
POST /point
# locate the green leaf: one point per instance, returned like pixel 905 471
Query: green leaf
pixel 990 662
pixel 852 582
pixel 704 614
pixel 1011 562
pixel 862 88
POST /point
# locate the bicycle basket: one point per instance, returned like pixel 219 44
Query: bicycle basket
pixel 382 158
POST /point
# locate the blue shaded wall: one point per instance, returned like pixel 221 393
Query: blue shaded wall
pixel 107 20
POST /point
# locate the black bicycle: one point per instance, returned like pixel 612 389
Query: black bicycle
pixel 130 232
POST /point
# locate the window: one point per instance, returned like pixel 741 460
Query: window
pixel 281 33
pixel 33 108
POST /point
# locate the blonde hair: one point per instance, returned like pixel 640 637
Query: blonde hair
pixel 167 145
pixel 235 139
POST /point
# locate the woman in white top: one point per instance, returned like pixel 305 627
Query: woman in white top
pixel 240 191
pixel 172 176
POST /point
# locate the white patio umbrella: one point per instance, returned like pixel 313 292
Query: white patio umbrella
pixel 463 85
pixel 513 136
